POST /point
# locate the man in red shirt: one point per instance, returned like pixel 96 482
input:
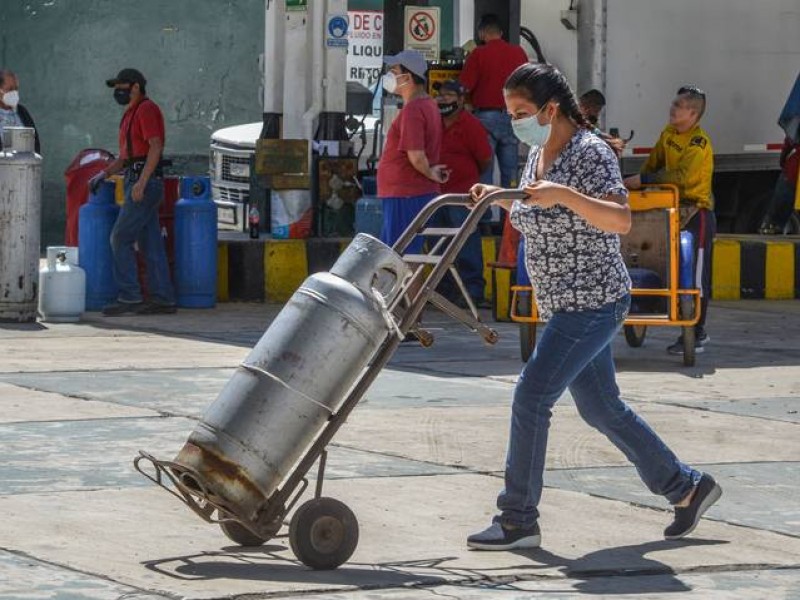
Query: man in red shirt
pixel 141 142
pixel 782 204
pixel 408 173
pixel 485 72
pixel 467 154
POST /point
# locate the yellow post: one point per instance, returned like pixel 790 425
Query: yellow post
pixel 726 283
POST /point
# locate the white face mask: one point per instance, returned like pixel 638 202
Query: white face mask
pixel 11 98
pixel 530 132
pixel 390 82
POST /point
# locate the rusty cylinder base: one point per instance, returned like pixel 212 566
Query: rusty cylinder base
pixel 230 485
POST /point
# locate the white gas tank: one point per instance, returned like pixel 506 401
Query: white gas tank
pixel 62 286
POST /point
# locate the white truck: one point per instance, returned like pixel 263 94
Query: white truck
pixel 744 54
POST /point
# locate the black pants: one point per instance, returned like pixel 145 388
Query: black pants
pixel 703 226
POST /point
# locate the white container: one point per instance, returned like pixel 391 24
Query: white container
pixel 62 286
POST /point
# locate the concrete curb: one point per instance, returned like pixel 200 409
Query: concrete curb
pixel 745 267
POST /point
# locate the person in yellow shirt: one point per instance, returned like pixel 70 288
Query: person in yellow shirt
pixel 683 156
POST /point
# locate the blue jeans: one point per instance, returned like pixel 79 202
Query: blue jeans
pixel 398 213
pixel 575 352
pixel 504 145
pixel 138 223
pixel 782 204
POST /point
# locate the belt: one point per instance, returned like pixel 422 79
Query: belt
pixel 135 166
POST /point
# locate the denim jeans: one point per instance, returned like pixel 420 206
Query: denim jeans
pixel 782 204
pixel 138 223
pixel 504 145
pixel 575 352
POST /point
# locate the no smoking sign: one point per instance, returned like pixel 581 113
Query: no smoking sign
pixel 421 26
pixel 422 30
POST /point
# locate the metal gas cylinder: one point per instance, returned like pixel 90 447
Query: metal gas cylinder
pixel 196 245
pixel 96 221
pixel 62 286
pixel 296 376
pixel 20 219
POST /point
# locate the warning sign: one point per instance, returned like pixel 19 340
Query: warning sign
pixel 422 30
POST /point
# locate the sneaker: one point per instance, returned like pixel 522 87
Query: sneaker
pixel 154 308
pixel 499 537
pixel 769 229
pixel 686 519
pixel 117 309
pixel 699 341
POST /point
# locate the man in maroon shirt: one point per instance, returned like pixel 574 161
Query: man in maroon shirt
pixel 408 173
pixel 141 142
pixel 467 154
pixel 485 72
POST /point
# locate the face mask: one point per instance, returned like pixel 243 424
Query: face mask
pixel 390 82
pixel 11 98
pixel 448 109
pixel 528 130
pixel 122 96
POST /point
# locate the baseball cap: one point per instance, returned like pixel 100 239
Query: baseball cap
pixel 451 85
pixel 127 76
pixel 410 59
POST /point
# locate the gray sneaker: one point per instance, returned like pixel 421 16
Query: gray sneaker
pixel 687 518
pixel 699 343
pixel 499 537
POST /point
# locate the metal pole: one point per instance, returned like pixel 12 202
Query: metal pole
pixel 274 53
pixel 592 46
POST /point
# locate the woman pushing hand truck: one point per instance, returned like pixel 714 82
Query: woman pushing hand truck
pixel 575 209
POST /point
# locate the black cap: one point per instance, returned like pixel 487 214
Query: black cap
pixel 451 85
pixel 127 76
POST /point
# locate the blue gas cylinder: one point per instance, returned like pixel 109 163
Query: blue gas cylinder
pixel 96 219
pixel 369 209
pixel 196 245
pixel 686 268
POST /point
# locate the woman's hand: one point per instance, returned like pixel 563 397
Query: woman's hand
pixel 545 194
pixel 478 191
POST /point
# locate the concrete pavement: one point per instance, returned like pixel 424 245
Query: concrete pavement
pixel 420 463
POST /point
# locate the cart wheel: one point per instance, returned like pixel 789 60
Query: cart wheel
pixel 236 532
pixel 687 312
pixel 635 334
pixel 323 533
pixel 688 347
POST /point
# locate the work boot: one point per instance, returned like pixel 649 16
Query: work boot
pixel 118 309
pixel 156 308
pixel 686 519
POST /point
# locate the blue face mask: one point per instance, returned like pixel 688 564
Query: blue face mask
pixel 528 130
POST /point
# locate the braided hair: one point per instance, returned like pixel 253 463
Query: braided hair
pixel 541 82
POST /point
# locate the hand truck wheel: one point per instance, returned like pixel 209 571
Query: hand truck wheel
pixel 238 533
pixel 635 334
pixel 686 313
pixel 323 533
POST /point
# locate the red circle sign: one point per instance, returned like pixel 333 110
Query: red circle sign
pixel 422 26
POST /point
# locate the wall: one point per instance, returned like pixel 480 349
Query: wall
pixel 200 58
pixel 560 46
